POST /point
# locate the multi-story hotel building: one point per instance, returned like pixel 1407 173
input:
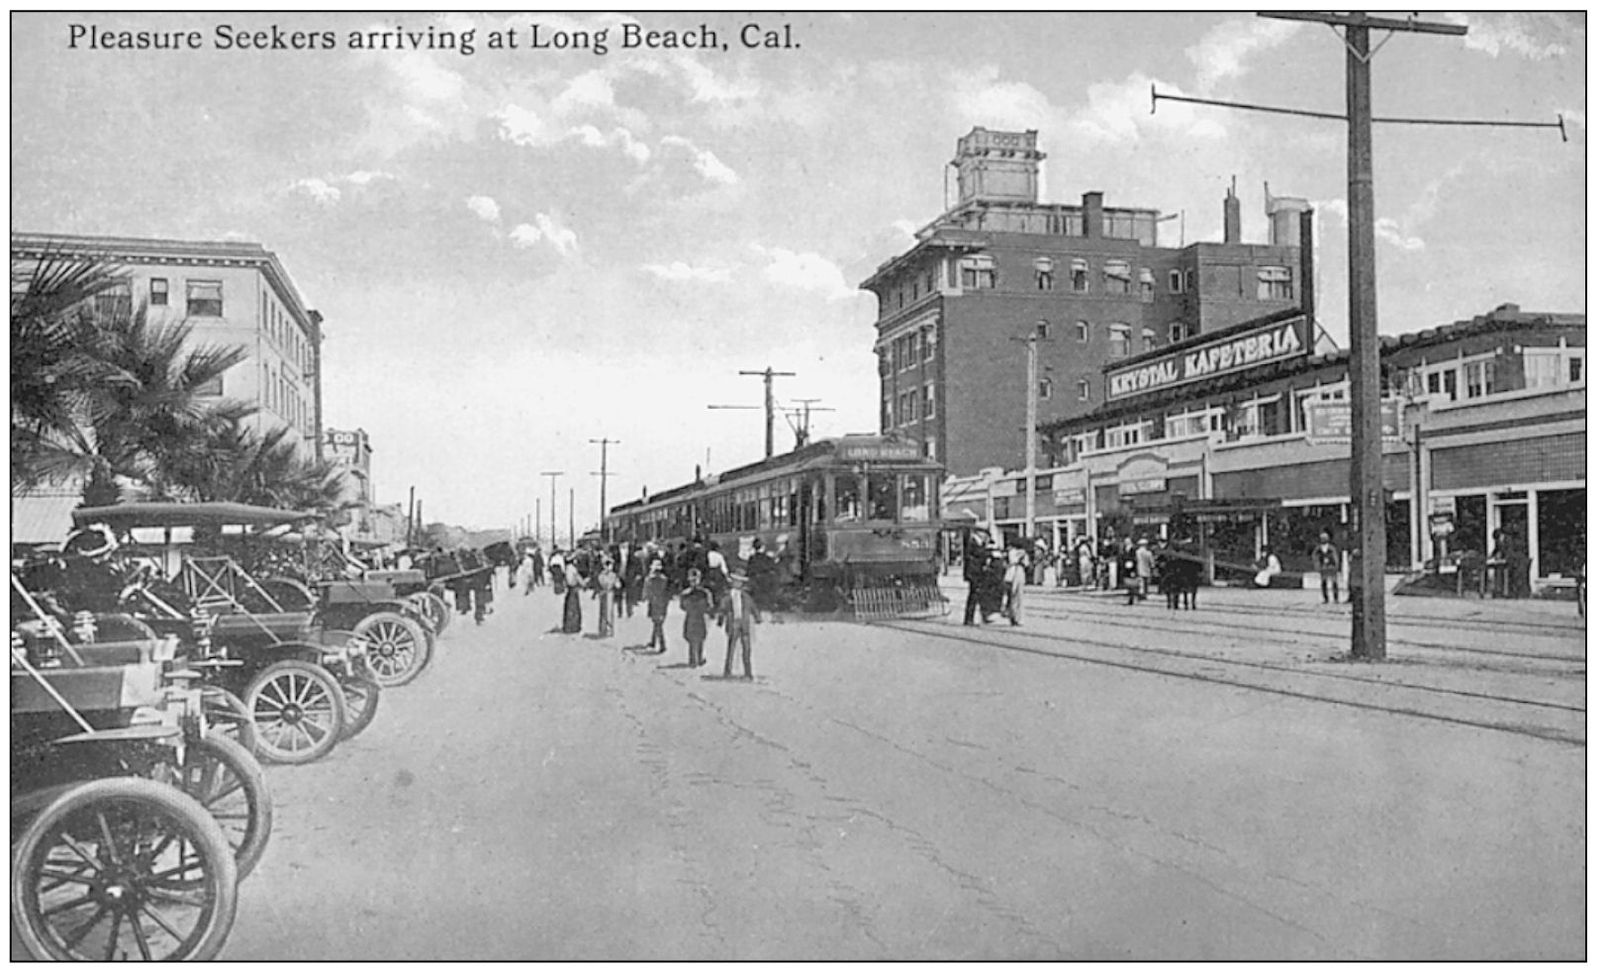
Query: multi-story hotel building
pixel 1088 279
pixel 232 294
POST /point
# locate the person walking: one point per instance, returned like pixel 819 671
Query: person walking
pixel 697 604
pixel 656 591
pixel 571 591
pixel 1015 583
pixel 1326 558
pixel 1085 565
pixel 975 571
pixel 635 573
pixel 741 613
pixel 557 566
pixel 1127 570
pixel 607 586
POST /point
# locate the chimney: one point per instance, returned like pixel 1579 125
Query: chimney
pixel 1230 215
pixel 1093 215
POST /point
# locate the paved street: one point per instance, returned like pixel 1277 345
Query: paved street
pixel 887 793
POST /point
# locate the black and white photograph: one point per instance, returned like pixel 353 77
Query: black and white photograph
pixel 557 486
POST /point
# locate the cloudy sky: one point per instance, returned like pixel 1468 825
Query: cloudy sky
pixel 517 250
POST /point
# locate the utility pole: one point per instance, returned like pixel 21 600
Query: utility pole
pixel 410 516
pixel 602 497
pixel 1031 340
pixel 552 480
pixel 769 374
pixel 1367 630
pixel 571 518
pixel 538 520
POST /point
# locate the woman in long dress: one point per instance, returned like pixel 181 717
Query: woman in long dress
pixel 607 587
pixel 571 598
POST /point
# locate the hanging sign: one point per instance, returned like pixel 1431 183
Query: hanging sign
pixel 1328 422
pixel 1250 348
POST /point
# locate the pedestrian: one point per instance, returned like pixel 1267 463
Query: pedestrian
pixel 522 576
pixel 558 567
pixel 1144 559
pixel 718 574
pixel 656 590
pixel 483 583
pixel 1270 567
pixel 993 587
pixel 1015 583
pixel 1085 564
pixel 697 604
pixel 741 613
pixel 1326 558
pixel 1166 574
pixel 1127 570
pixel 976 574
pixel 606 586
pixel 571 590
pixel 635 572
pixel 1190 570
pixel 762 574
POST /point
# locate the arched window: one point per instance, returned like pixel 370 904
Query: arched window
pixel 1118 277
pixel 1121 340
pixel 1146 285
pixel 1079 276
pixel 1148 337
pixel 1044 270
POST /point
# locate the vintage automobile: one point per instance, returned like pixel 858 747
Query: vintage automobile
pixel 117 794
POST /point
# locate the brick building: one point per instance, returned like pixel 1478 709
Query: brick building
pixel 1089 279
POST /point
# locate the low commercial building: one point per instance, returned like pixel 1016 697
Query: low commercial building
pixel 1240 440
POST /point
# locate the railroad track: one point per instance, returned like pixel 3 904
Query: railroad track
pixel 1148 622
pixel 1546 720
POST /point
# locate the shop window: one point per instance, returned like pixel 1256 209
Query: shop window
pixel 1121 340
pixel 1118 277
pixel 1275 283
pixel 1043 270
pixel 978 273
pixel 1079 276
pixel 1146 285
pixel 158 291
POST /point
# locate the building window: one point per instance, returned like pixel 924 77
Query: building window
pixel 1188 281
pixel 1480 378
pixel 1174 281
pixel 1177 331
pixel 1148 337
pixel 1146 285
pixel 1046 389
pixel 1275 283
pixel 1082 390
pixel 978 273
pixel 1121 340
pixel 887 413
pixel 1042 330
pixel 1082 331
pixel 203 298
pixel 1576 369
pixel 1079 276
pixel 116 301
pixel 930 451
pixel 1044 269
pixel 929 398
pixel 158 291
pixel 929 338
pixel 1118 277
pixel 884 365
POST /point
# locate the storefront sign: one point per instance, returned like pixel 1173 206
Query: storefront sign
pixel 879 451
pixel 1141 486
pixel 1442 505
pixel 1071 496
pixel 1441 524
pixel 1261 345
pixel 1329 421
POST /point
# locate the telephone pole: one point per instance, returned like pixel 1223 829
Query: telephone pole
pixel 769 374
pixel 602 497
pixel 1031 340
pixel 552 480
pixel 1367 631
pixel 571 518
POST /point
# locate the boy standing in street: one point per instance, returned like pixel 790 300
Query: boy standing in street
pixel 741 613
pixel 656 590
pixel 697 604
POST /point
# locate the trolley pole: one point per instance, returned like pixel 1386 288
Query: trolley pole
pixel 602 476
pixel 571 518
pixel 1367 630
pixel 552 480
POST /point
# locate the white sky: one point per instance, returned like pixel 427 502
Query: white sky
pixel 518 250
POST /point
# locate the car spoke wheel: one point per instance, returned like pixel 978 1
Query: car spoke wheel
pixel 433 609
pixel 229 784
pixel 226 715
pixel 123 869
pixel 361 692
pixel 297 711
pixel 398 649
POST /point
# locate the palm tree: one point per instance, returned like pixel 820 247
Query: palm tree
pixel 55 368
pixel 235 464
pixel 154 410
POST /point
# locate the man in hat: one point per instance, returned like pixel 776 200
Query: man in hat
pixel 741 613
pixel 1326 558
pixel 89 578
pixel 975 572
pixel 1144 561
pixel 656 591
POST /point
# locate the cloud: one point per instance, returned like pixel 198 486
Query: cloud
pixel 682 272
pixel 364 177
pixel 485 207
pixel 704 84
pixel 1573 117
pixel 1120 111
pixel 908 227
pixel 983 99
pixel 707 164
pixel 1536 36
pixel 1222 52
pixel 321 191
pixel 805 271
pixel 546 229
pixel 1389 231
pixel 523 126
pixel 590 136
pixel 424 78
pixel 592 89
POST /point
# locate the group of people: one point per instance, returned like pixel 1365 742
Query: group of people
pixel 697 577
pixel 997 580
pixel 997 576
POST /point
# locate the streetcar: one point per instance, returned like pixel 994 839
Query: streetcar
pixel 852 521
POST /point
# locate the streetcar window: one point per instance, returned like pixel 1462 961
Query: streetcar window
pixel 883 493
pixel 846 488
pixel 915 503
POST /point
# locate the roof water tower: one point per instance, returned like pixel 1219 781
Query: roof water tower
pixel 998 166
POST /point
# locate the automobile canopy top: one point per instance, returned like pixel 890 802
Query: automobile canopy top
pixel 175 514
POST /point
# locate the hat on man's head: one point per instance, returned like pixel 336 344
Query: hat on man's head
pixel 92 541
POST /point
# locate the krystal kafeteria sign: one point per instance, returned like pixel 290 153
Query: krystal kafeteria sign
pixel 1281 340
